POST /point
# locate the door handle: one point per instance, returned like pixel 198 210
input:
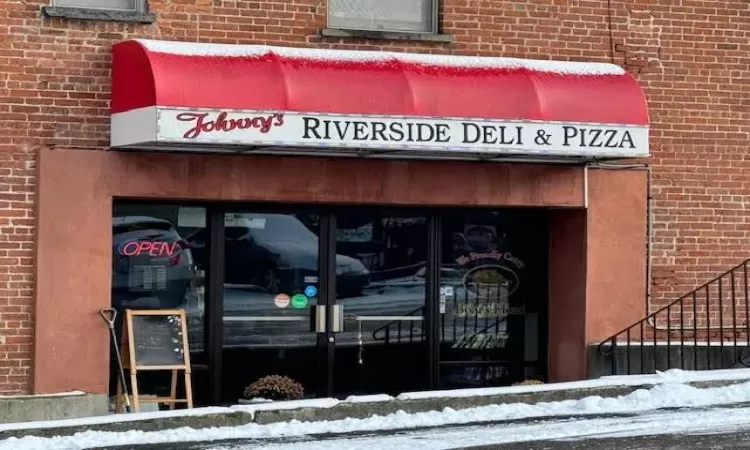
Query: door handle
pixel 318 319
pixel 338 319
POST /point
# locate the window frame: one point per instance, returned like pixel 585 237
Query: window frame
pixel 140 6
pixel 433 23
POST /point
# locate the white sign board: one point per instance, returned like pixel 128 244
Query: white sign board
pixel 414 134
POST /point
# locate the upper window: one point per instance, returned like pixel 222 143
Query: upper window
pixel 120 5
pixel 411 16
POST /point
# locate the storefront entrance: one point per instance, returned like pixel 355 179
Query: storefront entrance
pixel 342 300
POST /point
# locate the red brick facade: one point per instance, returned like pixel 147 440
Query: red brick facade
pixel 692 58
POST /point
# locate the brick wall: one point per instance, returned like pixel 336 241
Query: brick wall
pixel 691 56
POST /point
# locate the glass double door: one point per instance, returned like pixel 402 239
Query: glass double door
pixel 334 303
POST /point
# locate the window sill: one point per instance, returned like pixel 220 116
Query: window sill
pixel 387 35
pixel 111 15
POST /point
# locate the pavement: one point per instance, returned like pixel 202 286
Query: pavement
pixel 734 440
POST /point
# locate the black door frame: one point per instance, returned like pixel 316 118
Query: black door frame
pixel 327 298
pixel 214 326
pixel 214 311
pixel 432 309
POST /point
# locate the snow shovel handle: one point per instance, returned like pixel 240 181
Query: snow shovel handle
pixel 109 315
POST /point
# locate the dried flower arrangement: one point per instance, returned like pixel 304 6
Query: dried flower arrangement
pixel 275 387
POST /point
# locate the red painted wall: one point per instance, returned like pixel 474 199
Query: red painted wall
pixel 75 232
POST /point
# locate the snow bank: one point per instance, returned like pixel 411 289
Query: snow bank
pixel 670 376
pixel 369 398
pixel 660 396
pixel 292 404
pixel 54 394
pixel 658 423
pixel 114 418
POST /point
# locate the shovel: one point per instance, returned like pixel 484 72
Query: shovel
pixel 109 315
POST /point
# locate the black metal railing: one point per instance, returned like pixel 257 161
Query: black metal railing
pixel 473 318
pixel 395 328
pixel 386 332
pixel 707 328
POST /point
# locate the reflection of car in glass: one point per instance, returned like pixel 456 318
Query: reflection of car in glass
pixel 448 275
pixel 151 265
pixel 278 253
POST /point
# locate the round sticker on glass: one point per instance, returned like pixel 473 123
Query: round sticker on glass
pixel 281 300
pixel 299 301
pixel 311 291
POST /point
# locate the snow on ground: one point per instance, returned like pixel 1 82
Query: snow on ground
pixel 368 398
pixel 670 376
pixel 660 396
pixel 691 422
pixel 55 394
pixel 113 418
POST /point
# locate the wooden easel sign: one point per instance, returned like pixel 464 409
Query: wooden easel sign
pixel 156 340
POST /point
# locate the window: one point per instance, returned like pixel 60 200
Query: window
pixel 154 267
pixel 411 16
pixel 153 263
pixel 118 5
pixel 492 289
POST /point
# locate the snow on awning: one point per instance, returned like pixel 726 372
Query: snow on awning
pixel 216 97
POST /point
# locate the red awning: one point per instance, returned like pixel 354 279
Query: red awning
pixel 218 77
pixel 151 73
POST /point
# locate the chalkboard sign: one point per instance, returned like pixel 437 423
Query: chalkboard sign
pixel 158 340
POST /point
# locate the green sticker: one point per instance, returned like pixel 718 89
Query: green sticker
pixel 299 301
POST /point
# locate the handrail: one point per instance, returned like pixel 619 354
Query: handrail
pixel 494 324
pixel 670 305
pixel 389 324
pixel 720 289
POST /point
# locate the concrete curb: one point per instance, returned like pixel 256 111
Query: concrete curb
pixel 345 410
pixel 30 408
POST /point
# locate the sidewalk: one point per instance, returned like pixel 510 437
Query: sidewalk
pixel 608 395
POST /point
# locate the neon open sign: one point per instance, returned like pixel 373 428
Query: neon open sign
pixel 151 248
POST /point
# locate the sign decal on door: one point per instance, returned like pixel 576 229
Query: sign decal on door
pixel 281 300
pixel 299 301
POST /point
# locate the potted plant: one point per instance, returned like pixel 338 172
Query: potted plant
pixel 273 388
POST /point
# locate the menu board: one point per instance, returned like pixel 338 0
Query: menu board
pixel 155 340
pixel 158 340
